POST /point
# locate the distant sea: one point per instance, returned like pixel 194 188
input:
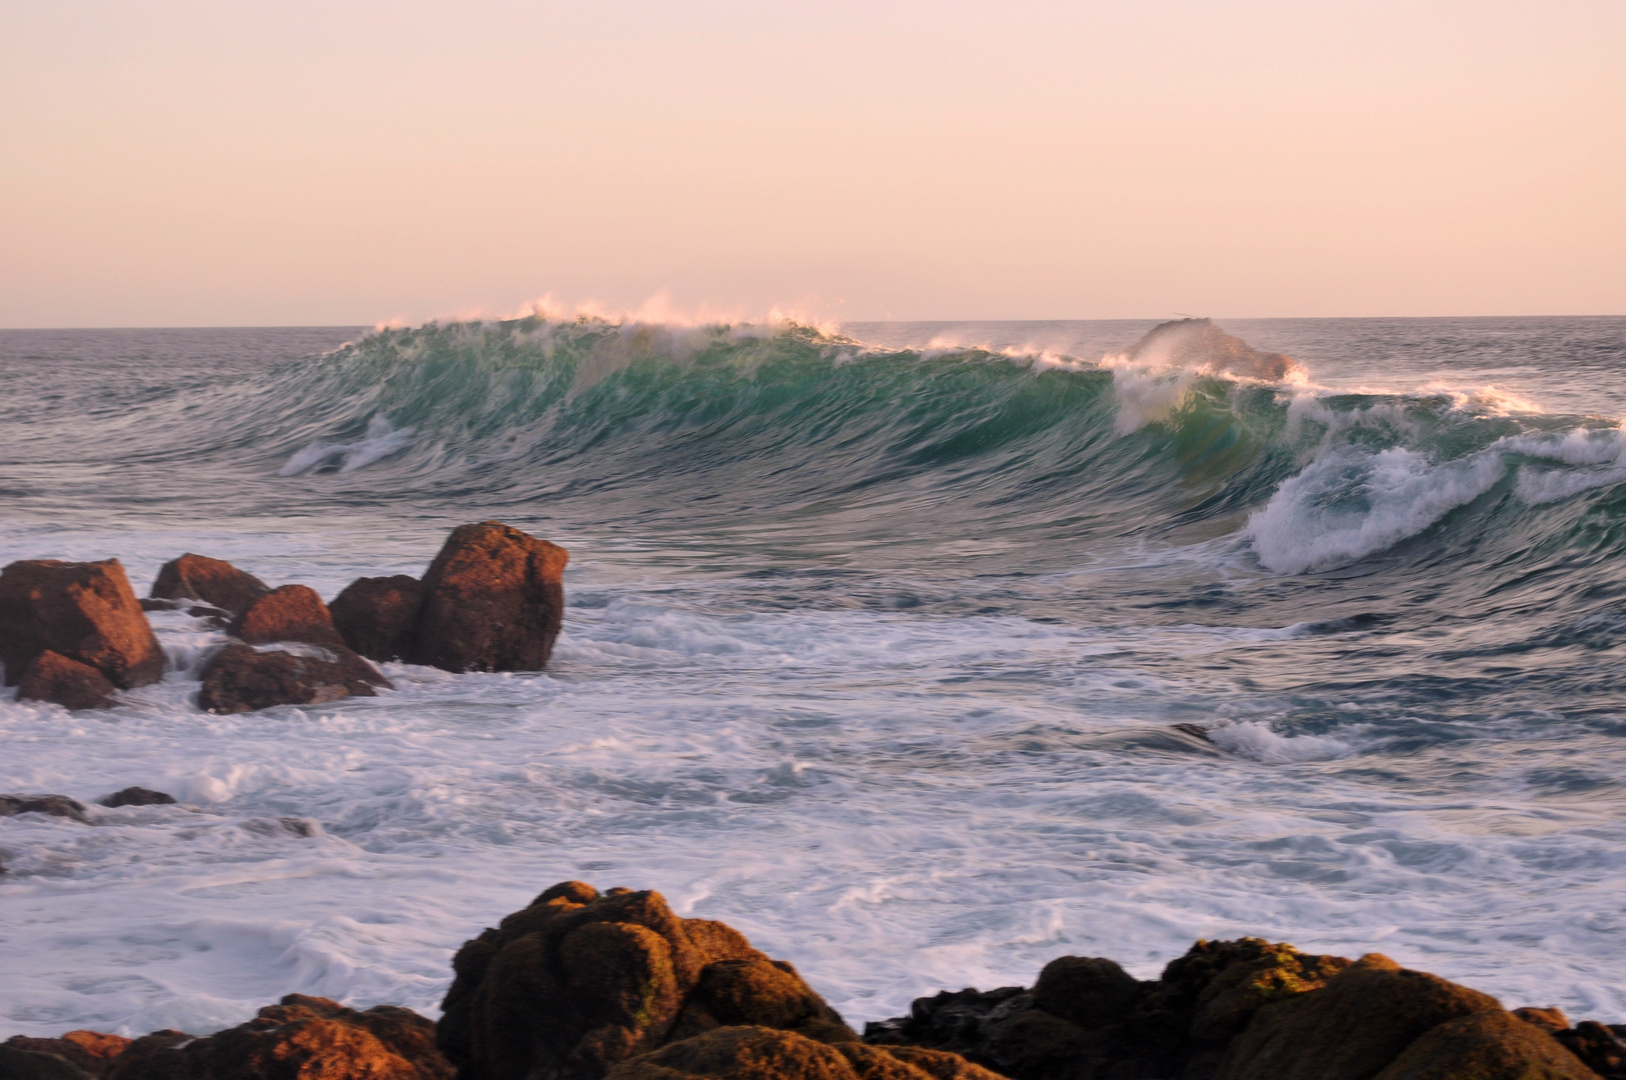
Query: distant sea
pixel 877 641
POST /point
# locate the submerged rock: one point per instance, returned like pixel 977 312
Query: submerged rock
pixel 493 601
pixel 54 805
pixel 378 616
pixel 291 613
pixel 138 796
pixel 577 983
pixel 52 677
pixel 85 612
pixel 215 581
pixel 242 679
pixel 302 1038
pixel 761 1053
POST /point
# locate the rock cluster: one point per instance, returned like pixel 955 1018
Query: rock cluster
pixel 87 618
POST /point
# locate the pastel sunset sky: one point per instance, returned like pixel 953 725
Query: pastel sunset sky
pixel 346 161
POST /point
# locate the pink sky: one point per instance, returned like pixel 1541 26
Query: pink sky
pixel 172 163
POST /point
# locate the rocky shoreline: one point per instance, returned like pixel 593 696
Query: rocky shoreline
pixel 583 985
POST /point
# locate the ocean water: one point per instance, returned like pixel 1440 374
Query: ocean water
pixel 876 641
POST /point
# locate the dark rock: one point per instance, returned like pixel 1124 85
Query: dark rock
pixel 304 828
pixel 763 1053
pixel 92 1052
pixel 54 805
pixel 84 611
pixel 291 613
pixel 52 677
pixel 576 983
pixel 1598 1047
pixel 138 796
pixel 196 577
pixel 493 601
pixel 1198 343
pixel 1551 1021
pixel 1087 991
pixel 242 679
pixel 1484 1046
pixel 146 1047
pixel 19 1064
pixel 378 616
pixel 302 1038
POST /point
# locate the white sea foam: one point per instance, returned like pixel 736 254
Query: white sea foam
pixel 380 442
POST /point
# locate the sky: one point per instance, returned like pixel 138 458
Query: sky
pixel 350 161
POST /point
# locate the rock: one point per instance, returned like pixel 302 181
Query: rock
pixel 196 577
pixel 91 1052
pixel 577 983
pixel 1087 991
pixel 302 1038
pixel 1551 1021
pixel 1598 1047
pixel 242 679
pixel 493 601
pixel 54 805
pixel 1198 343
pixel 83 611
pixel 1353 1027
pixel 138 796
pixel 291 613
pixel 762 1053
pixel 19 1064
pixel 378 616
pixel 1485 1046
pixel 52 677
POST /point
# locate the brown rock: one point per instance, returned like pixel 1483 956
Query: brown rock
pixel 302 1038
pixel 291 613
pixel 1353 1027
pixel 761 1053
pixel 578 982
pixel 1549 1020
pixel 138 796
pixel 493 601
pixel 90 1051
pixel 378 616
pixel 196 577
pixel 84 611
pixel 242 679
pixel 1486 1046
pixel 54 805
pixel 1597 1047
pixel 52 677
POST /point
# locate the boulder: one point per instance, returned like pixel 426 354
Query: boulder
pixel 577 983
pixel 291 613
pixel 54 805
pixel 138 796
pixel 302 1038
pixel 763 1053
pixel 52 677
pixel 83 611
pixel 240 678
pixel 1598 1047
pixel 378 616
pixel 196 577
pixel 19 1064
pixel 92 1052
pixel 493 601
pixel 1486 1046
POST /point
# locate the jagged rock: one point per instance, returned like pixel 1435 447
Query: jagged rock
pixel 92 1052
pixel 291 613
pixel 493 601
pixel 302 1038
pixel 242 679
pixel 762 1053
pixel 52 677
pixel 138 796
pixel 83 611
pixel 1484 1046
pixel 378 616
pixel 54 805
pixel 577 982
pixel 19 1064
pixel 197 577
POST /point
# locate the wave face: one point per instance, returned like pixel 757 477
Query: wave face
pixel 883 631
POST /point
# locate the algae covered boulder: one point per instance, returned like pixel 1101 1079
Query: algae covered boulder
pixel 493 600
pixel 578 982
pixel 83 611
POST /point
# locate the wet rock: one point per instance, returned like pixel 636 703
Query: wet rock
pixel 304 828
pixel 291 613
pixel 242 679
pixel 83 611
pixel 1597 1046
pixel 302 1038
pixel 138 796
pixel 493 601
pixel 92 1052
pixel 197 577
pixel 1549 1020
pixel 19 1064
pixel 378 616
pixel 54 805
pixel 1485 1046
pixel 577 983
pixel 52 677
pixel 762 1053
